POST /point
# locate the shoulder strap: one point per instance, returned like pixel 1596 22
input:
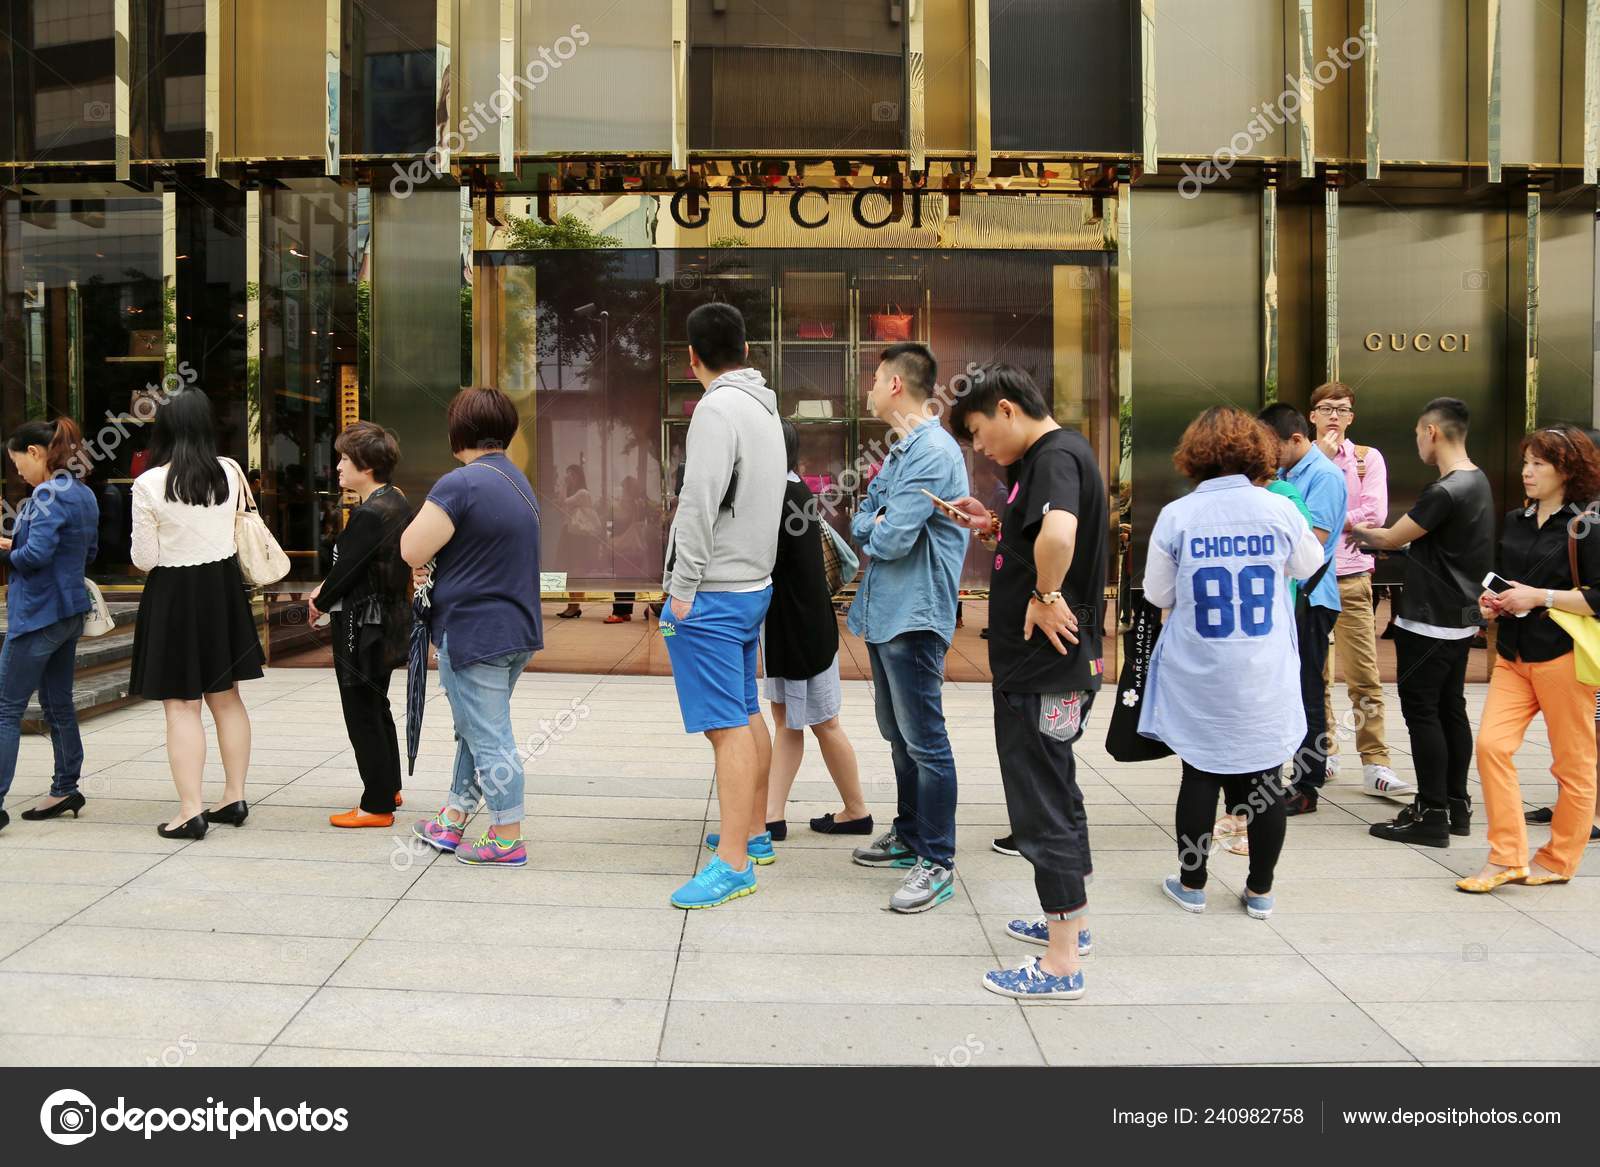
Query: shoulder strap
pixel 244 487
pixel 1361 460
pixel 1572 553
pixel 513 483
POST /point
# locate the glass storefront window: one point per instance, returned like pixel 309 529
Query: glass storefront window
pixel 168 89
pixel 1064 80
pixel 388 105
pixel 63 64
pixel 797 75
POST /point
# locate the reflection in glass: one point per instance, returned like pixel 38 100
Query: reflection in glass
pixel 1064 84
pixel 388 76
pixel 168 86
pixel 601 74
pixel 63 64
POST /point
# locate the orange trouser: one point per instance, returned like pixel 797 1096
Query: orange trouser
pixel 1517 691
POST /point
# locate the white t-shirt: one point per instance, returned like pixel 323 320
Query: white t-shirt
pixel 178 534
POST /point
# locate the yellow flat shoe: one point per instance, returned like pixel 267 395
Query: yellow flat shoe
pixel 1541 880
pixel 1476 885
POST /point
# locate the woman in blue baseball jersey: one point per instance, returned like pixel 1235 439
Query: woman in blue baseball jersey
pixel 1220 558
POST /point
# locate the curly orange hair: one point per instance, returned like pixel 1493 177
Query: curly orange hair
pixel 1569 450
pixel 1224 440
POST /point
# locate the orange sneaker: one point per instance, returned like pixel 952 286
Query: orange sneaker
pixel 360 818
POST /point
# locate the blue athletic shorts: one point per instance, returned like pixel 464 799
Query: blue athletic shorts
pixel 713 654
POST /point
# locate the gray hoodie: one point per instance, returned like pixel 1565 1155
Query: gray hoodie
pixel 725 535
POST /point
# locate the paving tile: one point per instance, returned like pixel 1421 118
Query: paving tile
pixel 1457 934
pixel 1463 1030
pixel 244 910
pixel 181 1051
pixel 46 903
pixel 1174 934
pixel 796 978
pixel 202 872
pixel 73 867
pixel 587 928
pixel 1208 980
pixel 1479 972
pixel 137 952
pixel 517 970
pixel 162 1010
pixel 304 1056
pixel 707 934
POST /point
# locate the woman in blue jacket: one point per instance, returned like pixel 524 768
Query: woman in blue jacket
pixel 47 555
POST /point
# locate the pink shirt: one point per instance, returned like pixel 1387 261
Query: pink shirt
pixel 1369 504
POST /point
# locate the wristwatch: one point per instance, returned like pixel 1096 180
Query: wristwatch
pixel 1549 597
pixel 1046 597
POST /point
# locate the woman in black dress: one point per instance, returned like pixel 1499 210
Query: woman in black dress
pixel 195 638
pixel 368 594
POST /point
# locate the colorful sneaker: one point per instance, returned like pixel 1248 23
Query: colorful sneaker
pixel 927 885
pixel 1038 932
pixel 1029 982
pixel 716 884
pixel 1256 907
pixel 439 832
pixel 887 850
pixel 492 852
pixel 1186 898
pixel 759 848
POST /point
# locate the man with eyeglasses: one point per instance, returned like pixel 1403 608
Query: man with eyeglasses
pixel 1355 641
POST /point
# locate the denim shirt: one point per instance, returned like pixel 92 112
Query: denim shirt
pixel 915 555
pixel 57 536
pixel 1321 484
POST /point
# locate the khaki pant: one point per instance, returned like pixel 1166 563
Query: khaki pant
pixel 1355 644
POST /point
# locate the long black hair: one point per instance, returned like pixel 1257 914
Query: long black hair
pixel 185 442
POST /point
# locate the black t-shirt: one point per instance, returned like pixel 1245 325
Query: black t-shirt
pixel 1537 556
pixel 1445 568
pixel 1057 473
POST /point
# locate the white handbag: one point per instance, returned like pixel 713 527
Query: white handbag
pixel 98 620
pixel 261 560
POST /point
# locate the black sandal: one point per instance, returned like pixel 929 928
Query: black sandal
pixel 826 825
pixel 1541 817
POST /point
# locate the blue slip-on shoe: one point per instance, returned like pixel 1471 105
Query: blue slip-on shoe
pixel 1185 897
pixel 1029 982
pixel 716 884
pixel 1038 932
pixel 1256 907
pixel 759 848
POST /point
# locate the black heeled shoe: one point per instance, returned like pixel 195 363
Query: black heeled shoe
pixel 234 813
pixel 73 802
pixel 194 828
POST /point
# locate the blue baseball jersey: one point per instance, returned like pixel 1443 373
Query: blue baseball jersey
pixel 1223 687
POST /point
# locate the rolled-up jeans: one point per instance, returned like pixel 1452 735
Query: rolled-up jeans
pixel 42 660
pixel 488 763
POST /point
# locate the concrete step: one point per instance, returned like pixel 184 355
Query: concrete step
pixel 97 693
pixel 103 669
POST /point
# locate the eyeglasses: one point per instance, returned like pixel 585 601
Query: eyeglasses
pixel 1335 410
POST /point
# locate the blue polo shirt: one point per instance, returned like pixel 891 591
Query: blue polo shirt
pixel 1321 484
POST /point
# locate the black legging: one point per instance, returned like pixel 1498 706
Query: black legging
pixel 1257 796
pixel 370 723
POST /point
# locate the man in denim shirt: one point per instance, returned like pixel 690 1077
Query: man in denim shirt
pixel 905 610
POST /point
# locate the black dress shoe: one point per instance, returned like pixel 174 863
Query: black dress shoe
pixel 4 819
pixel 1461 816
pixel 194 828
pixel 1542 817
pixel 1416 825
pixel 73 802
pixel 234 813
pixel 779 830
pixel 828 825
pixel 1303 802
pixel 1007 846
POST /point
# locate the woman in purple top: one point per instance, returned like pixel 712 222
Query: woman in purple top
pixel 477 539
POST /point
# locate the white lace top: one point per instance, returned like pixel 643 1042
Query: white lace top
pixel 176 534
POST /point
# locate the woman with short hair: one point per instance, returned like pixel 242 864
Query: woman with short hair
pixel 1220 558
pixel 476 539
pixel 48 553
pixel 368 593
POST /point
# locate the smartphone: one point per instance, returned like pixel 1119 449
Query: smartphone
pixel 948 508
pixel 1496 583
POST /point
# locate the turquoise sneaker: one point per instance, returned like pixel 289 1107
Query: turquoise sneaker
pixel 759 848
pixel 1038 932
pixel 716 884
pixel 1185 897
pixel 1029 982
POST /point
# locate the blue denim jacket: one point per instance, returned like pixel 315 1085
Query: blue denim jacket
pixel 915 554
pixel 57 536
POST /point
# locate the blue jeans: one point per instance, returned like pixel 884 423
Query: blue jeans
pixel 488 763
pixel 42 660
pixel 907 688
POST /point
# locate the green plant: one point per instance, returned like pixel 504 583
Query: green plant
pixel 567 233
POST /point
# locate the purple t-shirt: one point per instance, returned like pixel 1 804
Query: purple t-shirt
pixel 486 582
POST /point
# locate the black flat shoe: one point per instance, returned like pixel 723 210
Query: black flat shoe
pixel 828 825
pixel 779 830
pixel 1541 817
pixel 194 828
pixel 73 802
pixel 4 819
pixel 234 813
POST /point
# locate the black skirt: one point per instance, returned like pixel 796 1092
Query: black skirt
pixel 195 633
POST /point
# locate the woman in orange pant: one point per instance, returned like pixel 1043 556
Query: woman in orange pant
pixel 1542 550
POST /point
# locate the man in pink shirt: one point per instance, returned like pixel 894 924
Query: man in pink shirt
pixel 1355 634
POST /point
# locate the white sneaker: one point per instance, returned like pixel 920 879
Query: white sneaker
pixel 1382 782
pixel 1333 767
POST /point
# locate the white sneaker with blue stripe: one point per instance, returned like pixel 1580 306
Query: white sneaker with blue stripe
pixel 1256 907
pixel 1029 982
pixel 1186 898
pixel 1038 932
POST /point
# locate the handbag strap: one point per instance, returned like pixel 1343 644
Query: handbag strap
pixel 513 483
pixel 1572 549
pixel 244 489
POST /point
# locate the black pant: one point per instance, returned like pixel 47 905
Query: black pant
pixel 1310 765
pixel 1043 801
pixel 1256 796
pixel 370 723
pixel 1433 699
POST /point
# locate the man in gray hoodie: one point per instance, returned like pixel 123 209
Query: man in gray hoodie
pixel 720 553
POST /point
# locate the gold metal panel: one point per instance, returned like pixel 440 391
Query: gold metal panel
pixel 331 87
pixel 1147 84
pixel 1494 67
pixel 169 280
pixel 213 85
pixel 279 77
pixel 680 84
pixel 947 69
pixel 1531 68
pixel 1374 145
pixel 122 31
pixel 1422 95
pixel 1269 294
pixel 982 114
pixel 1330 268
pixel 475 68
pixel 1530 332
pixel 446 87
pixel 1222 63
pixel 505 108
pixel 1591 93
pixel 916 80
pixel 252 326
pixel 1305 40
pixel 1567 306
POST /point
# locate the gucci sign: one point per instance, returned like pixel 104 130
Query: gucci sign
pixel 1420 342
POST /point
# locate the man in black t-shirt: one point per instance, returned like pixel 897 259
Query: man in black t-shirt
pixel 1046 602
pixel 1450 533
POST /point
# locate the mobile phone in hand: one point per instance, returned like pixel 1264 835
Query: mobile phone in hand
pixel 948 508
pixel 1496 583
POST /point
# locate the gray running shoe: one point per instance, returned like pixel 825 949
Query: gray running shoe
pixel 885 851
pixel 927 885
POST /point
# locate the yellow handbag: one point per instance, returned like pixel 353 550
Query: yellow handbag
pixel 1584 630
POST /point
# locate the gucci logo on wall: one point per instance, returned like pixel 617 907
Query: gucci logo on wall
pixel 1419 342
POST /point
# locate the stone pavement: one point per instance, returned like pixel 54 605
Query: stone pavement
pixel 289 943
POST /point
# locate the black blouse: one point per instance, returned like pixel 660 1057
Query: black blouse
pixel 802 631
pixel 1537 556
pixel 372 629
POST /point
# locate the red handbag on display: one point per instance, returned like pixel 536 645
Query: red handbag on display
pixel 891 324
pixel 815 330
